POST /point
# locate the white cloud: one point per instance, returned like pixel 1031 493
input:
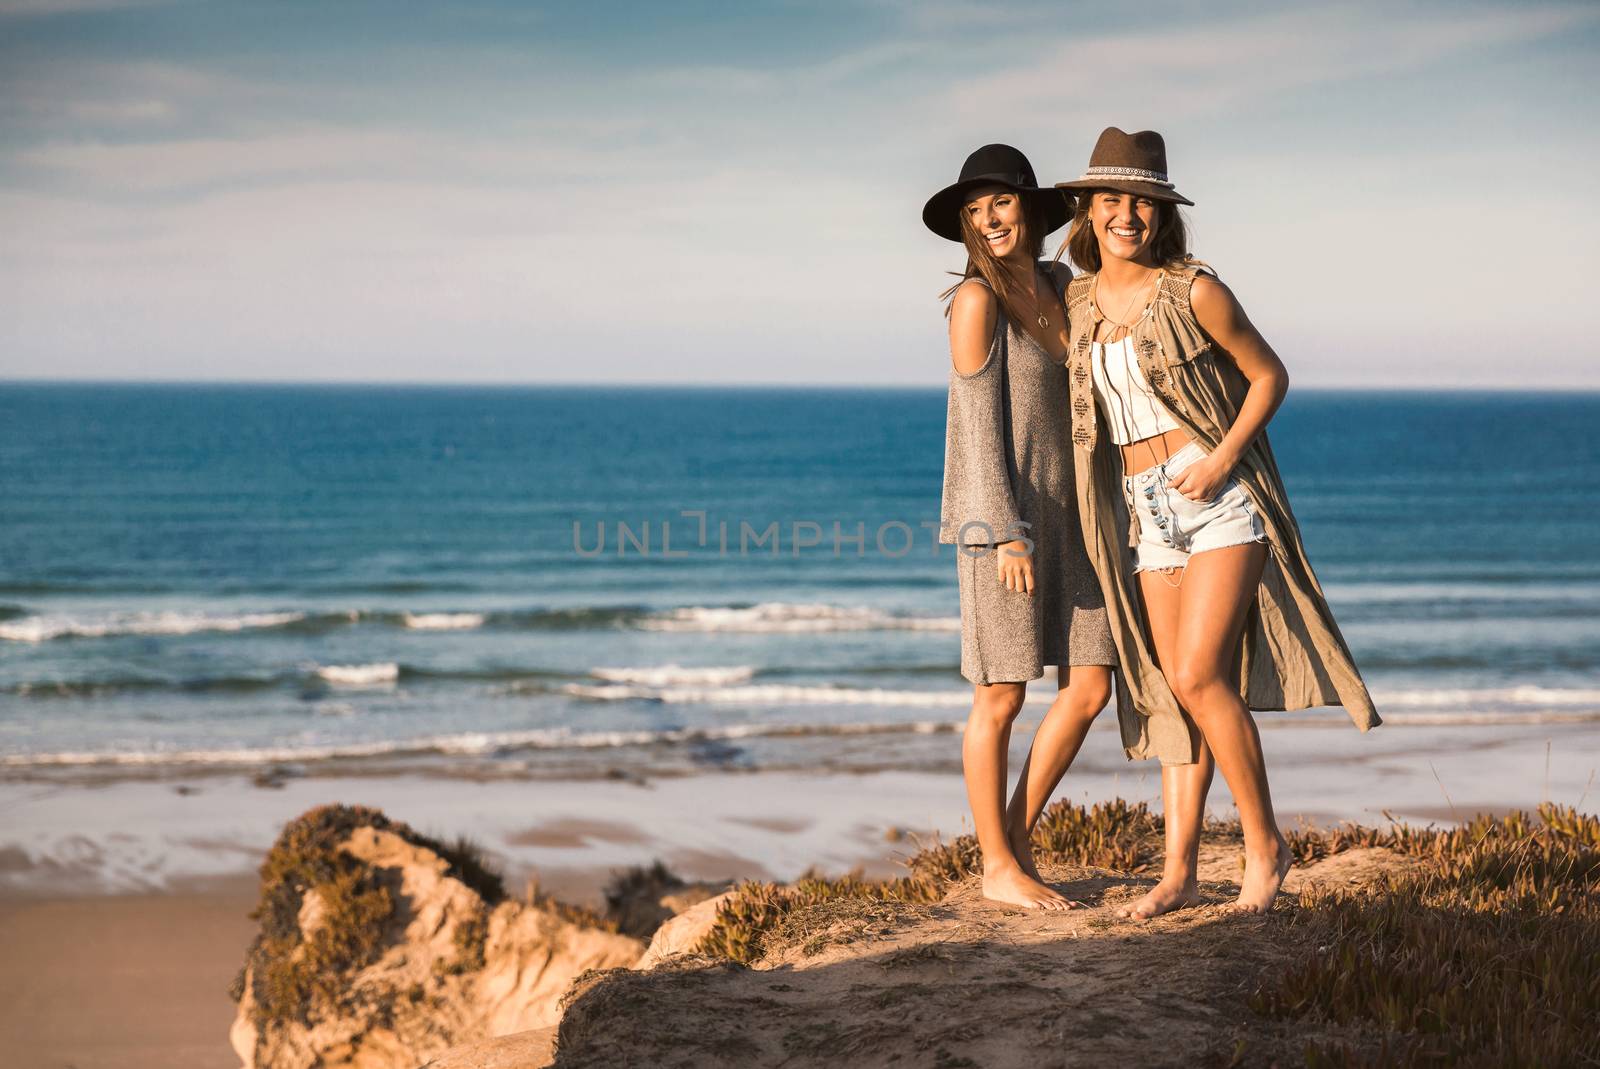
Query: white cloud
pixel 1184 71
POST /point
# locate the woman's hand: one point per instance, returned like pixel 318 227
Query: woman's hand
pixel 1016 566
pixel 1202 480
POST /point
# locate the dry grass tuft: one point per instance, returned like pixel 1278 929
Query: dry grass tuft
pixel 1112 835
pixel 745 921
pixel 1314 844
pixel 633 898
pixel 1486 954
pixel 839 920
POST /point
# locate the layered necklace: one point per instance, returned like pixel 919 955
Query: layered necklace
pixel 1121 324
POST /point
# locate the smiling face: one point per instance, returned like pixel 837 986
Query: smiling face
pixel 1125 225
pixel 995 216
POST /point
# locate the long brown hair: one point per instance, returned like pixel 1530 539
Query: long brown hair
pixel 982 262
pixel 1171 246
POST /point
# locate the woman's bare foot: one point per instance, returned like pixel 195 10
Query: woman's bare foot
pixel 1164 897
pixel 1016 888
pixel 1023 852
pixel 1263 876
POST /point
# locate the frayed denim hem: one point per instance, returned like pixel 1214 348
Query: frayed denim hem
pixel 1191 554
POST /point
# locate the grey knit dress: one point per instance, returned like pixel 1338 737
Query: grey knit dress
pixel 1008 462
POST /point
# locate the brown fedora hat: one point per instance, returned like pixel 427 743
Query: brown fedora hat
pixel 1129 163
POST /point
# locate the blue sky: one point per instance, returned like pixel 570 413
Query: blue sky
pixel 1399 193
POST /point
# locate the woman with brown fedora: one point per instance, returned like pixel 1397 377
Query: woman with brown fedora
pixel 1028 595
pixel 1213 606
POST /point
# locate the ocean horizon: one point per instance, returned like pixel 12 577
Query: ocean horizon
pixel 222 575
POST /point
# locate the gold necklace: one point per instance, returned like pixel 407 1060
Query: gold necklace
pixel 1038 316
pixel 1128 308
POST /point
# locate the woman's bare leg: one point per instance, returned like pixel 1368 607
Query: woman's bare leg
pixel 1217 591
pixel 1183 787
pixel 1081 693
pixel 983 760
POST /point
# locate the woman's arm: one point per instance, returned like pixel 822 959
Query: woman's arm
pixel 972 322
pixel 1218 312
pixel 973 319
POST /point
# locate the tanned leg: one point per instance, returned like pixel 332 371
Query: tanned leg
pixel 983 760
pixel 1081 693
pixel 1183 803
pixel 1183 787
pixel 1216 594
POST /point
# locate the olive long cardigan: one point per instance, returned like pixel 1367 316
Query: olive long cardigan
pixel 1293 656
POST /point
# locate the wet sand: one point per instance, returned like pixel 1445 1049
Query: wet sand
pixel 77 834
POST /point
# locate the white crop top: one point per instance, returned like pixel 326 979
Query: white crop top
pixel 1133 411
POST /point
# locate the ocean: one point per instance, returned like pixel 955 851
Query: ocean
pixel 590 581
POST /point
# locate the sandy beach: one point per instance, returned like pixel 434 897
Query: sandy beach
pixel 123 903
pixel 111 980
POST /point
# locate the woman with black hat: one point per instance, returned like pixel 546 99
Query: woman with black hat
pixel 1212 603
pixel 1028 595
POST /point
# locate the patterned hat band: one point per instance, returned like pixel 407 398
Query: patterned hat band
pixel 1126 174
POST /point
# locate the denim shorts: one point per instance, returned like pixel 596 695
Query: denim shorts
pixel 1172 527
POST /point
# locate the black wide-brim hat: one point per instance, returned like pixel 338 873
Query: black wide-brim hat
pixel 1129 163
pixel 989 166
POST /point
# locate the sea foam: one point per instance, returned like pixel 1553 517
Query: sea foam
pixel 666 675
pixel 45 628
pixel 360 675
pixel 783 616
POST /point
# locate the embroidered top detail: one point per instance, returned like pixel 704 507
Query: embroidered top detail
pixel 1175 289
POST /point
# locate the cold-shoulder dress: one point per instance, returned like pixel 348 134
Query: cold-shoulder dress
pixel 1008 471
